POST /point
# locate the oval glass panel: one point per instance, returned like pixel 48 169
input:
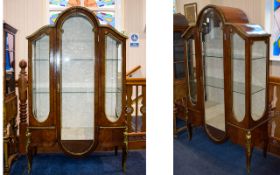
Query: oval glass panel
pixel 77 88
pixel 191 63
pixel 258 80
pixel 113 79
pixel 40 78
pixel 238 70
pixel 213 70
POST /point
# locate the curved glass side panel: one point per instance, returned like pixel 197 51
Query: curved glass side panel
pixel 258 80
pixel 238 76
pixel 191 67
pixel 40 78
pixel 213 70
pixel 77 88
pixel 113 79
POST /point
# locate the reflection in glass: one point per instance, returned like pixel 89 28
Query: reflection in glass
pixel 191 63
pixel 213 60
pixel 77 89
pixel 40 78
pixel 178 51
pixel 258 80
pixel 238 68
pixel 9 63
pixel 113 79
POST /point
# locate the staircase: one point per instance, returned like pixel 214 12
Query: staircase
pixel 136 109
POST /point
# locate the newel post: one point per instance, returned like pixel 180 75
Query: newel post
pixel 22 91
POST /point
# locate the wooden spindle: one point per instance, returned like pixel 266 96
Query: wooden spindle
pixel 143 109
pixel 129 108
pixel 136 109
pixel 22 91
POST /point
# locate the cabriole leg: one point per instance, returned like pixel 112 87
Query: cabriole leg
pixel 248 150
pixel 6 155
pixel 124 151
pixel 265 144
pixel 28 151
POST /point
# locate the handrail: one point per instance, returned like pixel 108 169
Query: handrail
pixel 136 81
pixel 274 80
pixel 129 73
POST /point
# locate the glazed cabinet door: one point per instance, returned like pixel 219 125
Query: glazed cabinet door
pixel 111 122
pixel 114 79
pixel 259 55
pixel 40 79
pixel 77 84
pixel 9 94
pixel 238 87
pixel 41 73
pixel 212 46
pixel 193 77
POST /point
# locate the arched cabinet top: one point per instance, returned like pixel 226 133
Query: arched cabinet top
pixel 234 18
pixel 72 11
pixel 43 30
pixel 250 30
pixel 227 14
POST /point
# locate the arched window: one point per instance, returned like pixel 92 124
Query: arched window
pixel 107 11
pixel 275 30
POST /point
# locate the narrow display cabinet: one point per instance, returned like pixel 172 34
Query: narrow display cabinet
pixel 10 98
pixel 76 86
pixel 226 62
pixel 180 24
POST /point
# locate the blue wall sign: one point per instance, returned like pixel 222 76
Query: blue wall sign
pixel 134 40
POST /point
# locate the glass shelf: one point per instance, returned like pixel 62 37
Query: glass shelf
pixel 240 57
pixel 78 40
pixel 73 90
pixel 111 59
pixel 78 59
pixel 238 87
pixel 70 59
pixel 38 60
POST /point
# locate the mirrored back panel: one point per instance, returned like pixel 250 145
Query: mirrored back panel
pixel 77 83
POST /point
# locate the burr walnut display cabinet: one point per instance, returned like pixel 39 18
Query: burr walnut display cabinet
pixel 76 86
pixel 10 98
pixel 226 61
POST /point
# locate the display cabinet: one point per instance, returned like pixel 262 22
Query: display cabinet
pixel 76 87
pixel 226 61
pixel 9 96
pixel 180 24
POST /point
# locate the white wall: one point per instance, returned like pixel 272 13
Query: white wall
pixel 200 4
pixel 258 12
pixel 135 22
